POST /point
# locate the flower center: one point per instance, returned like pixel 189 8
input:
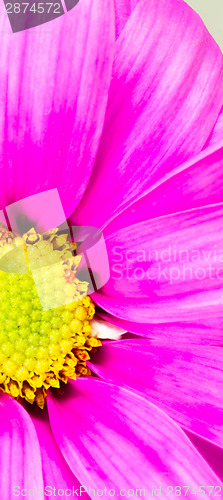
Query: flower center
pixel 40 348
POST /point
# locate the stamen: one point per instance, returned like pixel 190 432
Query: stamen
pixel 40 348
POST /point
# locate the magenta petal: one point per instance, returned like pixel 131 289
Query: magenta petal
pixel 198 311
pixel 217 132
pixel 113 438
pixel 167 269
pixel 186 382
pixel 195 183
pixel 123 10
pixel 162 105
pixel 56 472
pixel 20 456
pixel 209 333
pixel 212 453
pixel 54 84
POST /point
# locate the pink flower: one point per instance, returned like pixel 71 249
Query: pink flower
pixel 128 131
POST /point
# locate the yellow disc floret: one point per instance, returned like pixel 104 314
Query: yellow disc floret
pixel 40 348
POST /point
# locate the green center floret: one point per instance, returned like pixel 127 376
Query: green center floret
pixel 39 348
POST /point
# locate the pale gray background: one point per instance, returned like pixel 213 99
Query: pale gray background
pixel 211 12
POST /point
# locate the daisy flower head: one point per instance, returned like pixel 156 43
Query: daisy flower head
pixel 111 119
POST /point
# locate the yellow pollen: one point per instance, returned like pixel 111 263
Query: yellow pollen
pixel 41 348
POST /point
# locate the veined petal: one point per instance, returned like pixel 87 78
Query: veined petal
pixel 53 85
pixel 56 472
pixel 115 439
pixel 204 332
pixel 217 132
pixel 123 10
pixel 167 269
pixel 21 466
pixel 186 382
pixel 197 182
pixel 212 453
pixel 164 99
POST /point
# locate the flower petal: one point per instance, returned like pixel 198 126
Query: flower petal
pixel 56 472
pixel 116 439
pixel 123 10
pixel 54 85
pixel 186 382
pixel 164 99
pixel 167 269
pixel 212 454
pixel 19 450
pixel 217 132
pixel 197 182
pixel 186 333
